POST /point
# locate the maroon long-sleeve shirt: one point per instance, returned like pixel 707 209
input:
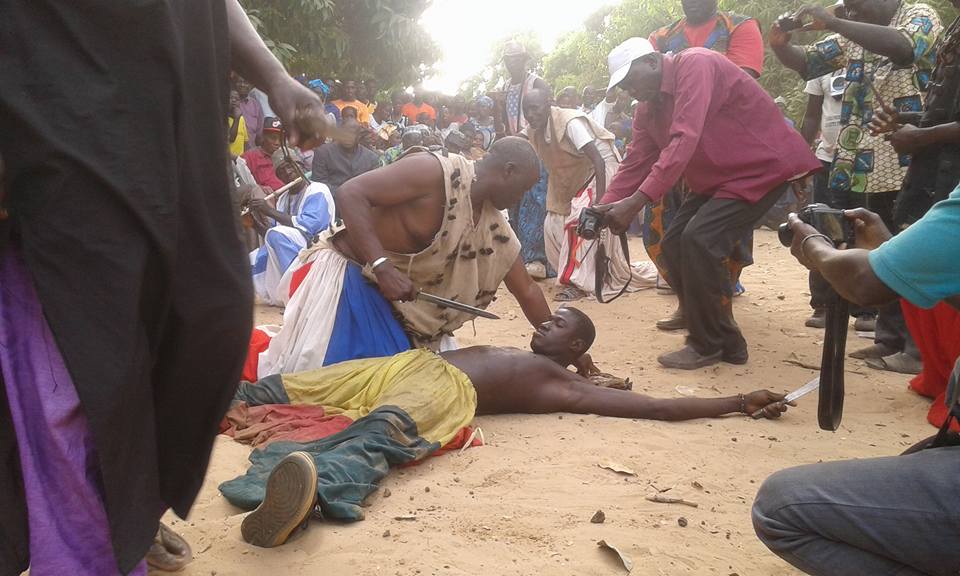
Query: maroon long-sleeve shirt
pixel 715 127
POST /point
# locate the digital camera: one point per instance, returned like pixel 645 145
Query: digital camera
pixel 590 224
pixel 789 24
pixel 828 221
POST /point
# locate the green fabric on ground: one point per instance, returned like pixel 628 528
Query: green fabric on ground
pixel 350 464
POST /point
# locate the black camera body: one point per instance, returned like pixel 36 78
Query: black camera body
pixel 828 221
pixel 590 224
pixel 789 24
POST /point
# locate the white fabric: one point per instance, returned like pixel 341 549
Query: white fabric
pixel 580 133
pixel 264 102
pixel 302 345
pixel 830 123
pixel 269 286
pixel 600 112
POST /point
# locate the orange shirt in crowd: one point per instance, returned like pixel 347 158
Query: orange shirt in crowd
pixel 411 111
pixel 363 111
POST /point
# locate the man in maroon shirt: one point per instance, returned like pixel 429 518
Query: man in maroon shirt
pixel 260 159
pixel 704 119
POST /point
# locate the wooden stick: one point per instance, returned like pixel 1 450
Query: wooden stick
pixel 661 499
pixel 282 189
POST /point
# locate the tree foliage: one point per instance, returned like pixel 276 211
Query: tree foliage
pixel 493 73
pixel 580 58
pixel 376 39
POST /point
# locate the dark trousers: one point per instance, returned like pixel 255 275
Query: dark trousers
pixel 696 251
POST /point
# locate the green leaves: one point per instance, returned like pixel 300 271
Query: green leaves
pixel 375 39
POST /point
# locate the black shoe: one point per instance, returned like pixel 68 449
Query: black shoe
pixel 674 322
pixel 818 320
pixel 689 359
pixel 290 498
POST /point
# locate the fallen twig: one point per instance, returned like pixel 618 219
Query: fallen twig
pixel 661 499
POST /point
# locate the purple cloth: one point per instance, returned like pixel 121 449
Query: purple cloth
pixel 252 113
pixel 714 126
pixel 69 533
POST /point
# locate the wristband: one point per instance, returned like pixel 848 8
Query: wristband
pixel 803 243
pixel 378 262
pixel 743 403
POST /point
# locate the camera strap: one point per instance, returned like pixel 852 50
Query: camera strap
pixel 602 269
pixel 830 408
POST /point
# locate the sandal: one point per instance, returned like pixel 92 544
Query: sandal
pixel 569 294
pixel 900 363
pixel 170 552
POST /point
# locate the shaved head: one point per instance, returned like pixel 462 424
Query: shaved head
pixel 510 169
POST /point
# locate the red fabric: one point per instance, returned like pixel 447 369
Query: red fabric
pixel 937 334
pixel 746 47
pixel 715 127
pixel 261 166
pixel 259 341
pixel 296 279
pixel 259 426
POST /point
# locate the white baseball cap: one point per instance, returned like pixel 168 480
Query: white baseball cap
pixel 622 57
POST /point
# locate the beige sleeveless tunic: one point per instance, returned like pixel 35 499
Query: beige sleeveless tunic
pixel 466 262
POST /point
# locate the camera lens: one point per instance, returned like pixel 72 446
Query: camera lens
pixel 785 234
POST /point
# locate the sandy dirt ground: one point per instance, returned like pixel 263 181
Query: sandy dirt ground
pixel 522 504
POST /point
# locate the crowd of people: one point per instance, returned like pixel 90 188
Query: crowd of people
pixel 382 223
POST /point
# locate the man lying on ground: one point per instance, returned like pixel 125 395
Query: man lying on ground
pixel 415 402
pixel 427 221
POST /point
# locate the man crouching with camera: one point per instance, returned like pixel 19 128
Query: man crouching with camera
pixel 703 119
pixel 897 515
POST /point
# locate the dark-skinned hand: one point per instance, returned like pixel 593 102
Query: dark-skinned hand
pixel 770 404
pixel 868 228
pixel 802 230
pixel 885 120
pixel 907 140
pixel 820 18
pixel 585 366
pixel 394 284
pixel 301 111
pixel 618 216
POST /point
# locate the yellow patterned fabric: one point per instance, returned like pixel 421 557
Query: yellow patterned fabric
pixel 437 395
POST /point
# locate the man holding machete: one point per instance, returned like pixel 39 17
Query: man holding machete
pixel 427 222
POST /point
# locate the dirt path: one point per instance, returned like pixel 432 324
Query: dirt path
pixel 522 504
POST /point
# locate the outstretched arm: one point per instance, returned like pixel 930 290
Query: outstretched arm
pixel 528 294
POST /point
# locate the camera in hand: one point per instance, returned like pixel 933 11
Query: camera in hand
pixel 789 24
pixel 828 221
pixel 590 224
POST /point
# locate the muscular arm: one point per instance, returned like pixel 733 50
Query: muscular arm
pixel 251 58
pixel 599 169
pixel 405 182
pixel 883 40
pixel 527 293
pixel 850 273
pixel 942 134
pixel 791 56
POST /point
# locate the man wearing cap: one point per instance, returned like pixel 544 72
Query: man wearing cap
pixel 260 159
pixel 738 38
pixel 704 119
pixel 889 48
pixel 527 217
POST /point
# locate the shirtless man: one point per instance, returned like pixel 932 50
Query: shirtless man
pixel 422 400
pixel 429 222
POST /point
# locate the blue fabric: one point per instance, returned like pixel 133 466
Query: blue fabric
pixel 285 249
pixel 920 263
pixel 332 109
pixel 314 216
pixel 527 222
pixel 365 326
pixel 260 264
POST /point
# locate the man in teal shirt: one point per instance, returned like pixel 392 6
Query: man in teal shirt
pixel 894 515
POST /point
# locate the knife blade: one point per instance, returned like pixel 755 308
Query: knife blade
pixel 444 302
pixel 795 395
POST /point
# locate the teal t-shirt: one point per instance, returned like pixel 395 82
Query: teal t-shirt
pixel 922 263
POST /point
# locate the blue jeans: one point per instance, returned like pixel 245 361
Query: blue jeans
pixel 876 517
